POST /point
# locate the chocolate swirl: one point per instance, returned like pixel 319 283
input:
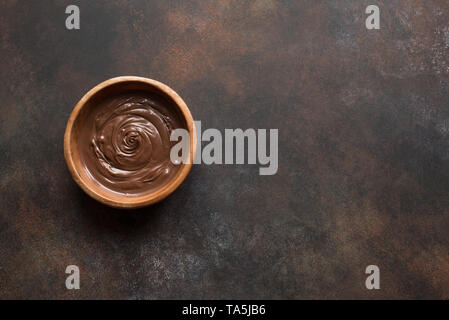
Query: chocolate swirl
pixel 130 144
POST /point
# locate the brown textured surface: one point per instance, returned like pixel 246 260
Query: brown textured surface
pixel 363 154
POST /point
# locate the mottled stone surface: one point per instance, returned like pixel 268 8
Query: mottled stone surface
pixel 363 120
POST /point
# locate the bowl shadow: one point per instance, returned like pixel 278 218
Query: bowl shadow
pixel 121 221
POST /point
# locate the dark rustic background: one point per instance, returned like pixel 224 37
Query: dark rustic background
pixel 363 119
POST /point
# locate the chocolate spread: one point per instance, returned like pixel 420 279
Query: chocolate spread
pixel 125 142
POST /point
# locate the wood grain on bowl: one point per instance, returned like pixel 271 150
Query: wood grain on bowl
pixel 117 142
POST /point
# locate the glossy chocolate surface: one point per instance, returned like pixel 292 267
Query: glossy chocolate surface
pixel 124 142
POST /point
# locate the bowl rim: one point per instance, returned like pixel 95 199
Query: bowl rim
pixel 134 201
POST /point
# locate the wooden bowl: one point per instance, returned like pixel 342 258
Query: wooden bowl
pixel 71 150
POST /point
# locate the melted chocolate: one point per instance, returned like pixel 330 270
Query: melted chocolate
pixel 125 143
